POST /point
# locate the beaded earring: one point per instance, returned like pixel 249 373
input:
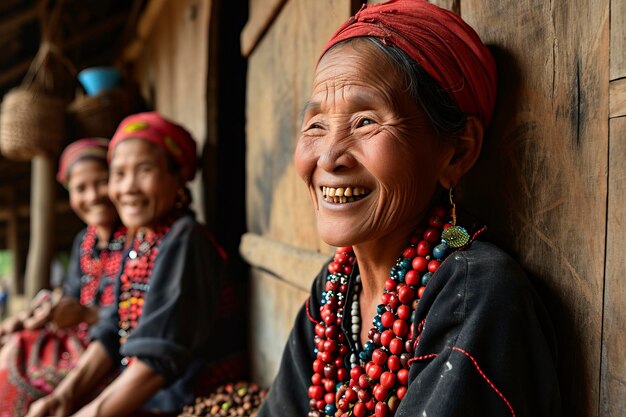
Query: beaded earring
pixel 455 236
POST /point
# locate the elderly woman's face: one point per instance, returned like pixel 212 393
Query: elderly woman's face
pixel 141 185
pixel 367 152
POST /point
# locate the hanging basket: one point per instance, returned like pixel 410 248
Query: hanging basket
pixel 99 116
pixel 31 123
pixel 32 116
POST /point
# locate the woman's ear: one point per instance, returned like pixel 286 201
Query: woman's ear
pixel 467 146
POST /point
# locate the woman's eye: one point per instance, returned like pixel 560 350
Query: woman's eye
pixel 364 122
pixel 313 126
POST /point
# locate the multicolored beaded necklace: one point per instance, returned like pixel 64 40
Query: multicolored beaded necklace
pixel 99 268
pixel 378 378
pixel 135 279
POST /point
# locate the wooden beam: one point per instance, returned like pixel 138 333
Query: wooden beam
pixel 95 31
pixel 617 98
pixel 144 27
pixel 262 14
pixel 23 210
pixel 16 71
pixel 16 20
pixel 618 39
pixel 286 262
pixel 613 370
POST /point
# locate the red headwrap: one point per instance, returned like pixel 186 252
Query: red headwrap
pixel 95 148
pixel 446 47
pixel 156 129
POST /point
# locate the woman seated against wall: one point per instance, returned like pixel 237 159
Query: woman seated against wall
pixel 44 342
pixel 164 332
pixel 414 316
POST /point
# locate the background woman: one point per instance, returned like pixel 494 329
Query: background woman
pixel 34 360
pixel 413 316
pixel 162 331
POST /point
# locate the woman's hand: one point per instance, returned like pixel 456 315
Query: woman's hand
pixel 39 317
pixel 55 404
pixel 68 312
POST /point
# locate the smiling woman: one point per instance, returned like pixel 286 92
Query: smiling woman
pixel 160 333
pixel 401 97
pixel 36 359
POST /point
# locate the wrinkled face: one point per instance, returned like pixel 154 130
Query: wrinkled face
pixel 141 185
pixel 89 199
pixel 366 151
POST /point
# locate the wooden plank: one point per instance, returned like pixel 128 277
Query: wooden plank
pixel 273 308
pixel 618 39
pixel 617 98
pixel 279 80
pixel 262 13
pixel 613 377
pixel 289 263
pixel 173 64
pixel 541 183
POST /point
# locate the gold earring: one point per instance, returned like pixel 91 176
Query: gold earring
pixel 455 236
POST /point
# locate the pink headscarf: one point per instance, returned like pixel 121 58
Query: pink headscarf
pixel 95 148
pixel 446 47
pixel 169 136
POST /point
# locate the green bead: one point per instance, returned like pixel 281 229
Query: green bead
pixel 455 236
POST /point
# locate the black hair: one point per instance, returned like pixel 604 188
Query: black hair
pixel 443 113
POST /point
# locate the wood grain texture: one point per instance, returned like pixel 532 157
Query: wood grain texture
pixel 273 308
pixel 618 39
pixel 280 70
pixel 613 377
pixel 173 68
pixel 261 15
pixel 617 98
pixel 541 182
pixel 285 262
pixel 279 81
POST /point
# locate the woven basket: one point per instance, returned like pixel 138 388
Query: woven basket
pixel 99 116
pixel 31 123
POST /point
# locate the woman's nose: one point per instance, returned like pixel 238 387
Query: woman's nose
pixel 335 153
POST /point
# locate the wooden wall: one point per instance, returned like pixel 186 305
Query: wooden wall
pixel 170 58
pixel 550 183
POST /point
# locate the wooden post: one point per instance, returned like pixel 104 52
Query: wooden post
pixel 13 242
pixel 41 225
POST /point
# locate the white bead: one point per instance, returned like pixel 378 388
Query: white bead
pixel 356 320
pixel 356 329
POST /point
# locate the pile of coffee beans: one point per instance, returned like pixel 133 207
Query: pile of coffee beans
pixel 240 399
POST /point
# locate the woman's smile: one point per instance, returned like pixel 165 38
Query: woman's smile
pixel 343 195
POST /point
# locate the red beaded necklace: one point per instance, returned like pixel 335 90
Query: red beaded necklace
pixel 99 267
pixel 378 379
pixel 135 279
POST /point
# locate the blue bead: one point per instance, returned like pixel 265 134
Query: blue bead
pixel 406 264
pixel 322 301
pixel 330 409
pixel 439 251
pixel 316 351
pixel 369 346
pixel 380 309
pixel 426 277
pixel 364 356
pixel 401 275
